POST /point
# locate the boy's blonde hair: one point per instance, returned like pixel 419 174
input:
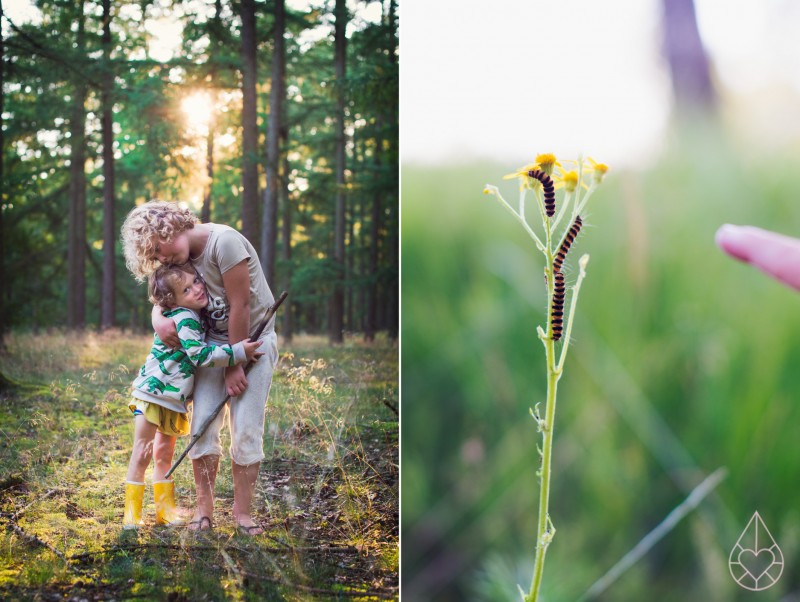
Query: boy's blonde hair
pixel 146 223
pixel 161 283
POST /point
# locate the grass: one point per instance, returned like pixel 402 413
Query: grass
pixel 327 492
pixel 682 361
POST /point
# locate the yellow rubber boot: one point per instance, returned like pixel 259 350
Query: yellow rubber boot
pixel 134 496
pixel 166 511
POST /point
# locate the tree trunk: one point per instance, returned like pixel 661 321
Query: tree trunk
pixel 687 58
pixel 286 248
pixel 3 320
pixel 375 228
pixel 350 263
pixel 393 308
pixel 249 124
pixel 363 249
pixel 76 255
pixel 336 312
pixel 108 301
pixel 276 96
pixel 205 211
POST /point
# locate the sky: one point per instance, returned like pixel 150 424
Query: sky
pixel 514 78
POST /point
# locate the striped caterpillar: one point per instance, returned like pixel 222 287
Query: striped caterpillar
pixel 568 240
pixel 549 190
pixel 557 311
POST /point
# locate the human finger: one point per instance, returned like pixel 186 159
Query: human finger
pixel 774 254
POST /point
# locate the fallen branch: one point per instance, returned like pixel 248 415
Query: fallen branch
pixel 12 526
pixel 390 592
pixel 142 546
pixel 21 511
pixel 167 546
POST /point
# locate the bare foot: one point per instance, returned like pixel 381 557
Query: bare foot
pixel 246 526
pixel 202 523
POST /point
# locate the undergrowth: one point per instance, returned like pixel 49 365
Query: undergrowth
pixel 327 493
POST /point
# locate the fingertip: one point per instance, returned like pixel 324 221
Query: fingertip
pixel 733 241
pixel 721 233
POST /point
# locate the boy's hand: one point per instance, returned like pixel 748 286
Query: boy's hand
pixel 166 331
pixel 235 380
pixel 250 350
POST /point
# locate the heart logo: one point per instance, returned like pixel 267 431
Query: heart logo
pixel 757 563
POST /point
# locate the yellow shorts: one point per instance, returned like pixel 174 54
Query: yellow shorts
pixel 169 422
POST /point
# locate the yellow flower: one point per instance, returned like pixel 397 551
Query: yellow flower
pixel 522 174
pixel 544 163
pixel 570 179
pixel 599 170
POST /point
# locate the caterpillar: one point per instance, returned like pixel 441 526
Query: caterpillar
pixel 549 190
pixel 557 311
pixel 568 240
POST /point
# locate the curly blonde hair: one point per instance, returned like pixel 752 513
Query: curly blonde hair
pixel 144 225
pixel 161 284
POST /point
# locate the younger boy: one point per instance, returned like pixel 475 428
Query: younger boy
pixel 164 384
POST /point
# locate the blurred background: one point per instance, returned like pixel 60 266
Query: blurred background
pixel 682 361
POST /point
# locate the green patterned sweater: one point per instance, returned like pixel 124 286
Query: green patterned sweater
pixel 167 377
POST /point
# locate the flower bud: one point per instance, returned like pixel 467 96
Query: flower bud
pixel 570 180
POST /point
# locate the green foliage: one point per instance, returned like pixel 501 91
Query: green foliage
pixel 683 362
pixel 151 137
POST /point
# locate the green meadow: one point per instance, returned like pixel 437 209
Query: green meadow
pixel 327 492
pixel 682 361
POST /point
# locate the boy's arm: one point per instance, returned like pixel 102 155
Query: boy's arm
pixel 199 352
pixel 165 328
pixel 237 289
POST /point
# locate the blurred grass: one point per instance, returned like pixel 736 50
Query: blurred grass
pixel 683 361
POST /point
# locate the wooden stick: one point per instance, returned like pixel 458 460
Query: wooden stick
pixel 204 427
pixel 12 526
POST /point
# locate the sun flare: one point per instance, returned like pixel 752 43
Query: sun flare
pixel 198 109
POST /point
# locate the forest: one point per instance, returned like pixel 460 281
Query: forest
pixel 279 119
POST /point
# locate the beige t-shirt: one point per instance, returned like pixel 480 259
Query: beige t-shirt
pixel 224 249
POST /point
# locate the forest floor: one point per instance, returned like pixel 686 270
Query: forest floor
pixel 327 492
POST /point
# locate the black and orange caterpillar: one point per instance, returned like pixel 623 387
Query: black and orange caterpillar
pixel 568 240
pixel 549 190
pixel 557 310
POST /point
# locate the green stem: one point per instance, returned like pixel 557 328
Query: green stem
pixel 546 530
pixel 584 200
pixel 563 210
pixel 584 260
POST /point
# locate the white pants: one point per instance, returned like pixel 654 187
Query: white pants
pixel 245 412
